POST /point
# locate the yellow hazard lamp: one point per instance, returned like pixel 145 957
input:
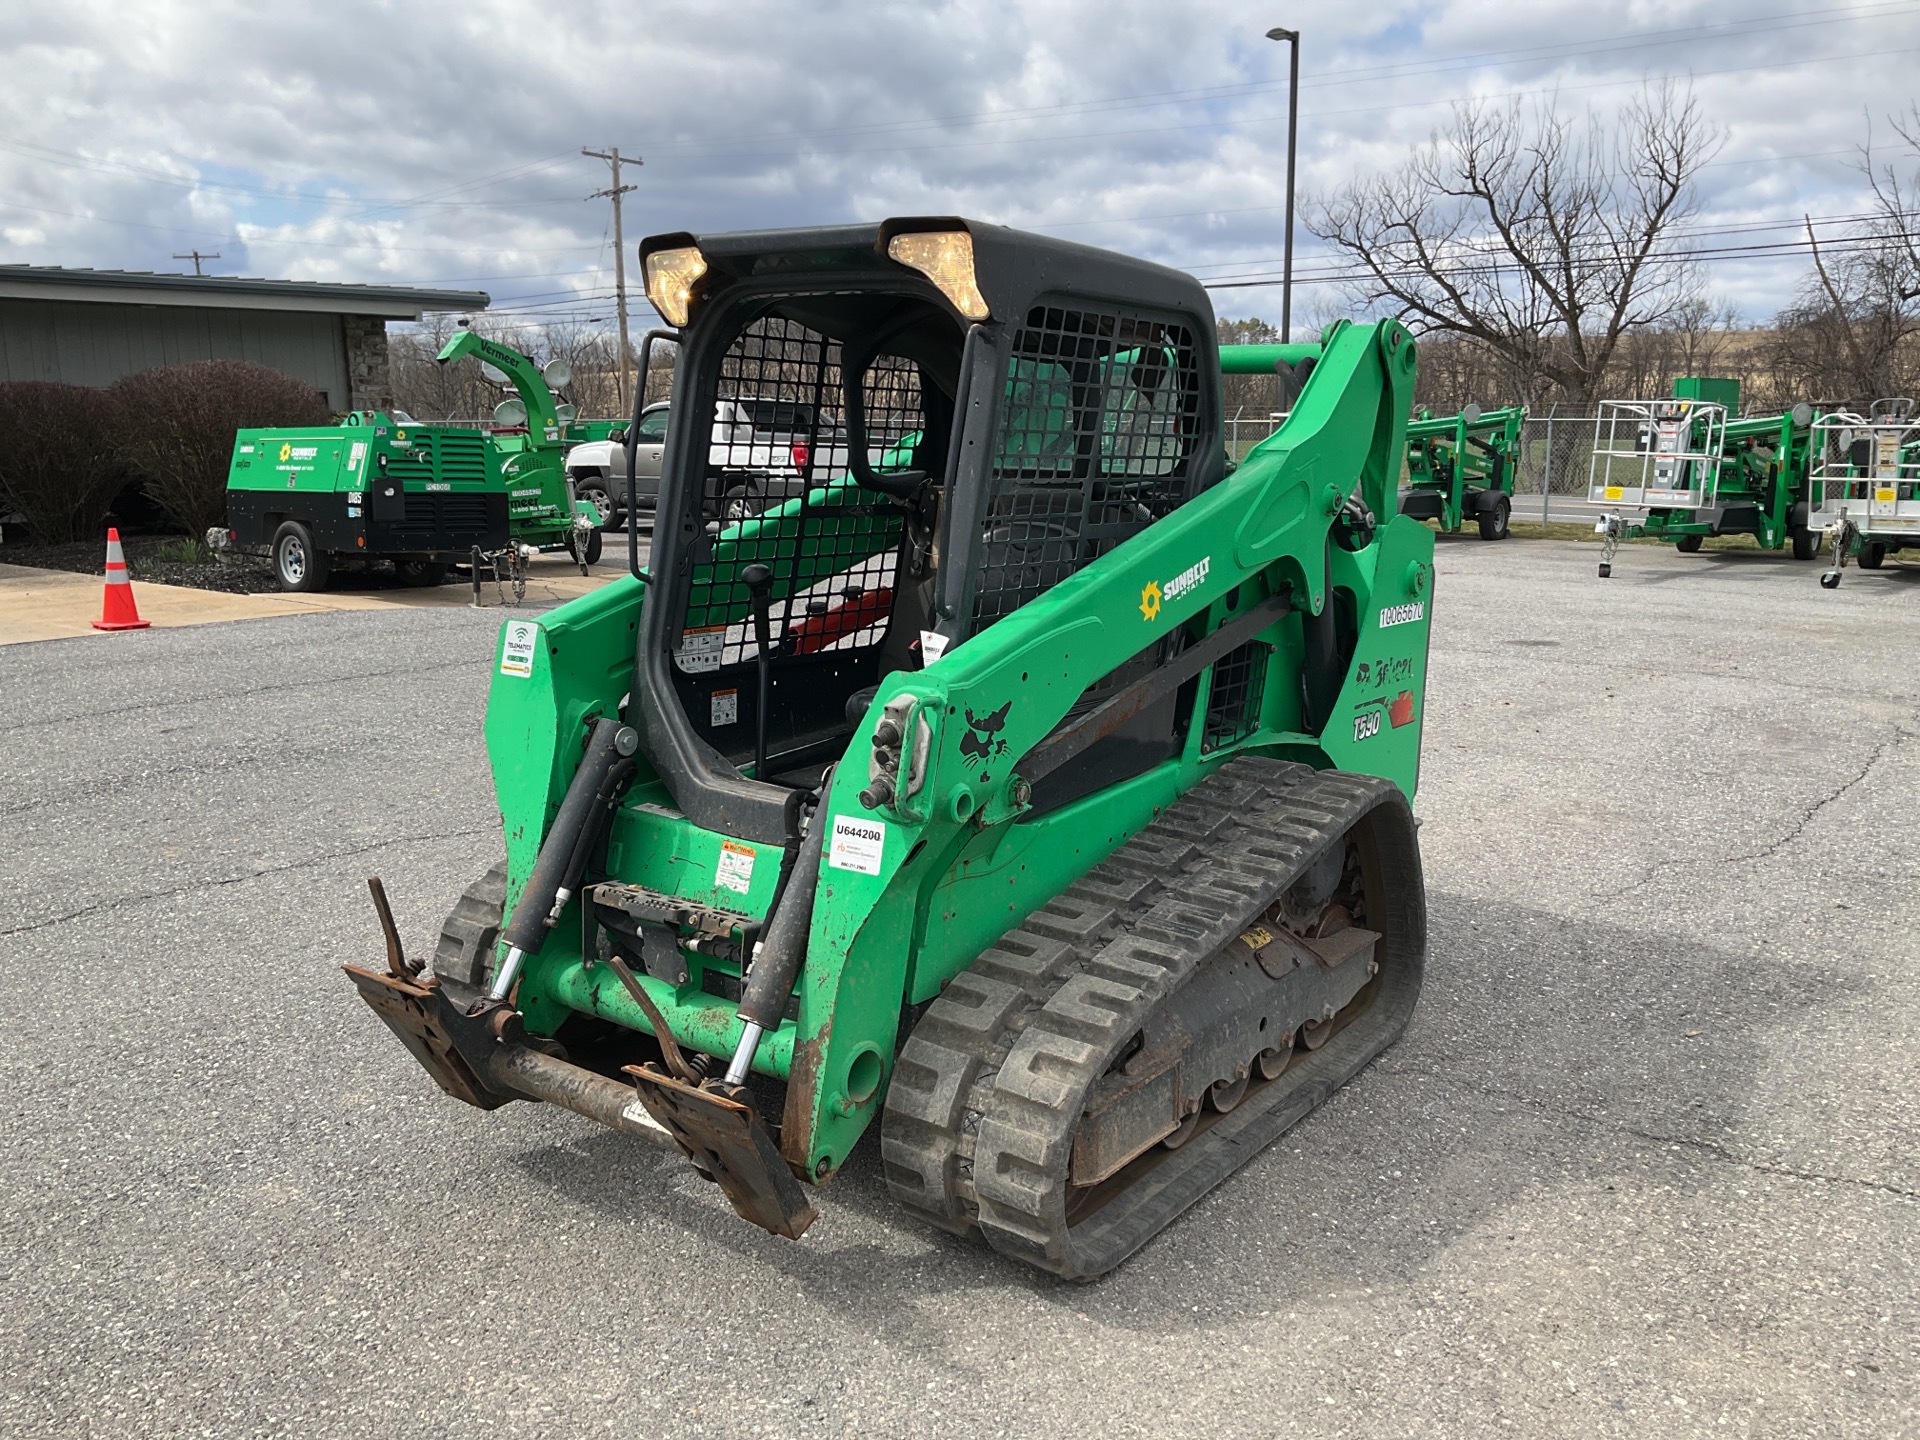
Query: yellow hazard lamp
pixel 671 276
pixel 946 258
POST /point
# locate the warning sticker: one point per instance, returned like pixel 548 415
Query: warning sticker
pixel 735 870
pixel 700 649
pixel 1613 492
pixel 516 651
pixel 857 845
pixel 355 454
pixel 723 707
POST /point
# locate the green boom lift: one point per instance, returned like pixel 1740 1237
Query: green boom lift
pixel 379 486
pixel 1699 471
pixel 1461 465
pixel 1035 787
pixel 1865 487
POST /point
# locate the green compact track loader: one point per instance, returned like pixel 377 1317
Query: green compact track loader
pixel 1026 782
pixel 1461 465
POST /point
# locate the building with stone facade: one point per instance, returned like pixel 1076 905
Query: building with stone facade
pixel 90 327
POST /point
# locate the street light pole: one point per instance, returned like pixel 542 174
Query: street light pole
pixel 1292 37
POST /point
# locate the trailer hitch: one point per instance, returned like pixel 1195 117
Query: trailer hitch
pixel 1840 536
pixel 1610 529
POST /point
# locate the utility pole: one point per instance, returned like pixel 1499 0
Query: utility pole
pixel 615 159
pixel 197 257
pixel 1292 37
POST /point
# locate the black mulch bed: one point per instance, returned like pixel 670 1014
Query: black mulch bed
pixel 158 560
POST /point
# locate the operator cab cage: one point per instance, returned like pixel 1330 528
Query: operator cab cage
pixel 984 413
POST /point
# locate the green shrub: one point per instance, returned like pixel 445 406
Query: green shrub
pixel 58 467
pixel 177 424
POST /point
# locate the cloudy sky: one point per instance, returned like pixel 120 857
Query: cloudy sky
pixel 430 143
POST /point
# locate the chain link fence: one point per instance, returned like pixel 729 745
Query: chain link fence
pixel 1554 459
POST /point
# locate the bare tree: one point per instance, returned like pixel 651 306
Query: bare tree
pixel 177 424
pixel 1542 240
pixel 1852 335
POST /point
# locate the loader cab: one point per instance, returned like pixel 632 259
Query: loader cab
pixel 988 412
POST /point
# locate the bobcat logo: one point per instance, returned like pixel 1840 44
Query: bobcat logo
pixel 982 741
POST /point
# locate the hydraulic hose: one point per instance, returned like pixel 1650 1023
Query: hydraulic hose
pixel 526 931
pixel 783 947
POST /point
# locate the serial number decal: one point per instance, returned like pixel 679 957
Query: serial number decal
pixel 1407 614
pixel 857 845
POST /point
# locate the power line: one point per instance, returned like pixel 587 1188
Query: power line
pixel 197 256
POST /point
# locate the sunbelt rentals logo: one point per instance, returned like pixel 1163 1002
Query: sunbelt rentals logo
pixel 1155 592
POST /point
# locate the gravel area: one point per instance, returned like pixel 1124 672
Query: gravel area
pixel 1645 1164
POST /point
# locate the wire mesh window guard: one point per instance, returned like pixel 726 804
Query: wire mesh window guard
pixel 775 492
pixel 1098 438
pixel 1233 704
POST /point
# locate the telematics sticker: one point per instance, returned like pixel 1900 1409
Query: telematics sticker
pixel 735 870
pixel 700 649
pixel 857 845
pixel 723 707
pixel 1403 614
pixel 516 653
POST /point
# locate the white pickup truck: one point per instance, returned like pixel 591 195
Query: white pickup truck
pixel 762 448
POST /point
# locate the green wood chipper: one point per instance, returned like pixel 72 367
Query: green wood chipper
pixel 1462 465
pixel 1700 469
pixel 1029 782
pixel 380 486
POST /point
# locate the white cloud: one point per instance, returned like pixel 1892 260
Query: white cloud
pixel 436 143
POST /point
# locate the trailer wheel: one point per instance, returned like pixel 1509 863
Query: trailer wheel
pixel 1689 544
pixel 594 545
pixel 1806 543
pixel 596 494
pixel 1873 555
pixel 421 572
pixel 298 564
pixel 1494 523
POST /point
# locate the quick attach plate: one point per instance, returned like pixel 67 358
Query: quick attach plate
pixel 421 1016
pixel 726 1138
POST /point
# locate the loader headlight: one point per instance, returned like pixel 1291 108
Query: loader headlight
pixel 946 258
pixel 671 276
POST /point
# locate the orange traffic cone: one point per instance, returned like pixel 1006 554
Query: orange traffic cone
pixel 117 610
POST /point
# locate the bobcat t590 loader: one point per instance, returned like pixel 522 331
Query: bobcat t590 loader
pixel 1037 788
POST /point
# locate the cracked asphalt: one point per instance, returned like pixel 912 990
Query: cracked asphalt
pixel 1644 1164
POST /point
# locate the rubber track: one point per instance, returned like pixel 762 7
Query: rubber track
pixel 986 1094
pixel 467 936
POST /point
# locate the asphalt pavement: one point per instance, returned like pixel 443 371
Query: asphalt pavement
pixel 1644 1164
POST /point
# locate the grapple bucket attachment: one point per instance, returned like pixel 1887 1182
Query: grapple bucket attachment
pixel 727 1140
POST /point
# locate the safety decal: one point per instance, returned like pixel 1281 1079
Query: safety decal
pixel 516 651
pixel 735 870
pixel 700 649
pixel 723 708
pixel 857 845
